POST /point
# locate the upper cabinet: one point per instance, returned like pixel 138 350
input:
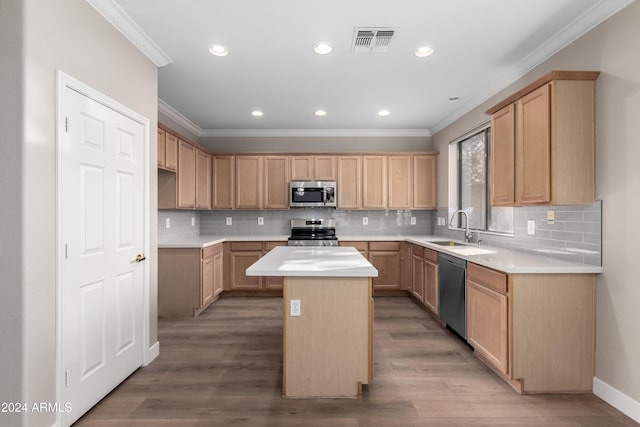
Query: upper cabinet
pixel 248 182
pixel 167 150
pixel 314 168
pixel 186 180
pixel 374 182
pixel 276 182
pixel 223 174
pixel 400 183
pixel 349 184
pixel 203 180
pixel 424 181
pixel 542 143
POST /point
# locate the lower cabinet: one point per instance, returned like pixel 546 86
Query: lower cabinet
pixel 487 315
pixel 189 279
pixel 431 280
pixel 240 256
pixel 417 272
pixel 387 258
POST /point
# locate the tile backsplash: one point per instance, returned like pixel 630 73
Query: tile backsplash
pixel 575 236
pixel 277 222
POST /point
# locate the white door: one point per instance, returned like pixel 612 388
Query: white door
pixel 101 196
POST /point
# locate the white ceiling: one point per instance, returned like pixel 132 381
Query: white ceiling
pixel 481 46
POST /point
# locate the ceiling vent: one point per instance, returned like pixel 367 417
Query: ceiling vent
pixel 372 40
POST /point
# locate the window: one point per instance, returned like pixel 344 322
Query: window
pixel 471 187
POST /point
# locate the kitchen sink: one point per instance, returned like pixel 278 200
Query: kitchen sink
pixel 449 243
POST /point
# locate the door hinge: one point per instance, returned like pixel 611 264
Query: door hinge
pixel 66 378
pixel 66 124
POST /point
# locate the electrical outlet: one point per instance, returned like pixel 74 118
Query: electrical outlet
pixel 294 307
pixel 551 217
pixel 229 221
pixel 413 220
pixel 167 223
pixel 531 227
pixel 193 221
pixel 365 220
pixel 260 220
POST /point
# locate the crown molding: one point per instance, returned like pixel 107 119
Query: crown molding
pixel 113 13
pixel 177 117
pixel 589 19
pixel 315 132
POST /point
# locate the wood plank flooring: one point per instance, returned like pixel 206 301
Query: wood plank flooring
pixel 224 369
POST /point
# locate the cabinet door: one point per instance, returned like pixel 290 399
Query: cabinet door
pixel 374 182
pixel 302 168
pixel 533 148
pixel 161 147
pixel 487 324
pixel 248 182
pixel 424 181
pixel 218 270
pixel 207 281
pixel 276 182
pixel 223 167
pixel 325 168
pixel 273 282
pixel 349 182
pixel 186 175
pixel 400 182
pixel 240 261
pixel 431 285
pixel 417 273
pixel 203 180
pixel 388 265
pixel 171 152
pixel 503 143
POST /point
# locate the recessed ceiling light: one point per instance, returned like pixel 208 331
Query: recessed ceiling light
pixel 322 48
pixel 257 113
pixel 218 50
pixel 383 113
pixel 320 113
pixel 423 51
pixel 454 99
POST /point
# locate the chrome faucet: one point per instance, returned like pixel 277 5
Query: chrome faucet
pixel 467 233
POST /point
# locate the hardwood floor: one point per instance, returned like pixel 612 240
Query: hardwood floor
pixel 224 369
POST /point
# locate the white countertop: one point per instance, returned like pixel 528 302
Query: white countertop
pixel 505 260
pixel 296 261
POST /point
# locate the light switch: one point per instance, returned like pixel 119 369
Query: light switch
pixel 413 220
pixel 167 223
pixel 193 221
pixel 531 227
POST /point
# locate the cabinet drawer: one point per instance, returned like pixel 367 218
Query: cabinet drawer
pixel 431 255
pixel 246 246
pixel 417 250
pixel 384 246
pixel 361 246
pixel 270 245
pixel 211 250
pixel 486 277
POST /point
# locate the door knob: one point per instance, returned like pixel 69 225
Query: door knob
pixel 140 258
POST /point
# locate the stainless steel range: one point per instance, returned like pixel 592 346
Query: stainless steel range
pixel 313 232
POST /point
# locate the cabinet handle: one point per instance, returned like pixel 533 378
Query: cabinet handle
pixel 140 258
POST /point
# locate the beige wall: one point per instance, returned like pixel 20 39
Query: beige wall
pixel 68 35
pixel 11 300
pixel 315 144
pixel 611 48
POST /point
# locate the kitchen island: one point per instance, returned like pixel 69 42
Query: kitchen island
pixel 327 319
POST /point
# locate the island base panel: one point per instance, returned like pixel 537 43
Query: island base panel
pixel 327 349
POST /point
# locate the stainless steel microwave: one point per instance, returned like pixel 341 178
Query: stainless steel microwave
pixel 312 194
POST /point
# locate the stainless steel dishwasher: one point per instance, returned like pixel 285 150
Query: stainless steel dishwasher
pixel 452 276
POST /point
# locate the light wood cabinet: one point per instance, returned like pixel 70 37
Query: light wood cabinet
pixel 241 255
pixel 302 168
pixel 223 183
pixel 374 182
pixel 424 181
pixel 203 180
pixel 189 280
pixel 417 272
pixel 487 315
pixel 162 138
pixel 248 182
pixel 314 168
pixel 273 282
pixel 400 183
pixel 276 182
pixel 325 168
pixel 385 257
pixel 502 148
pixel 171 152
pixel 186 176
pixel 431 280
pixel 349 184
pixel 554 142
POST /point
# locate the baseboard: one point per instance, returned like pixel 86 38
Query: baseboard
pixel 154 351
pixel 617 399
